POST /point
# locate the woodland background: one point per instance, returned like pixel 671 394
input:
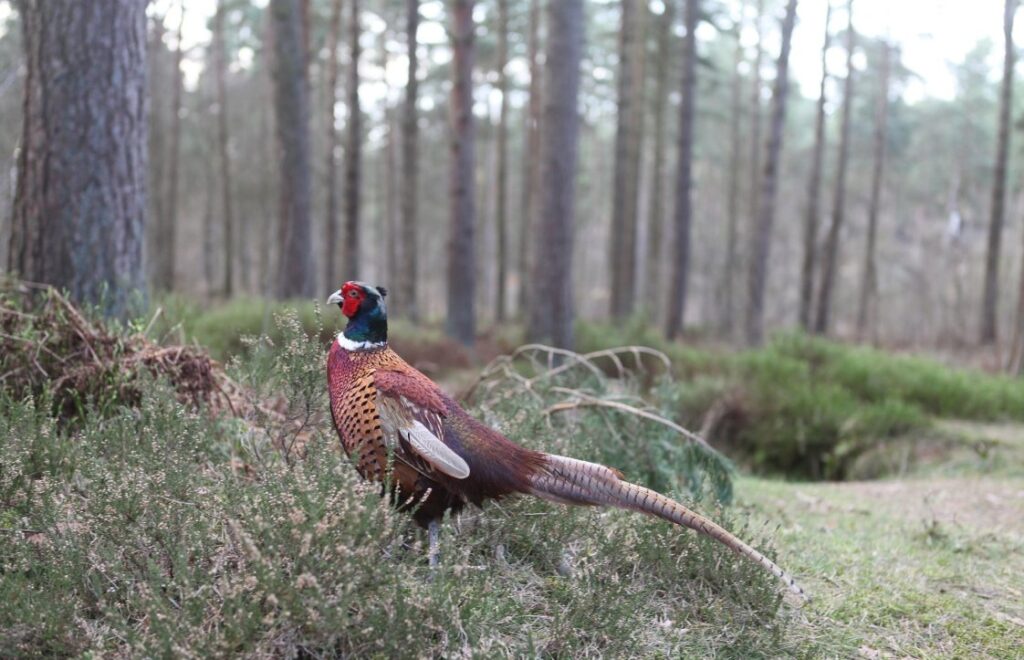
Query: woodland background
pixel 769 222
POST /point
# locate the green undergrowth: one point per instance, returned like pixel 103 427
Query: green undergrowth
pixel 808 407
pixel 161 531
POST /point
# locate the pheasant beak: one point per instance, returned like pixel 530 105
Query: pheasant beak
pixel 335 298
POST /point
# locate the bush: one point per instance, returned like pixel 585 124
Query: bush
pixel 161 530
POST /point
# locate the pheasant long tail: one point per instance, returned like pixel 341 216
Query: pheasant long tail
pixel 571 481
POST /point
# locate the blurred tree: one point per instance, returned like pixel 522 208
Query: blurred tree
pixel 654 272
pixel 550 290
pixel 352 266
pixel 628 139
pixel 684 178
pixel 814 189
pixel 331 165
pixel 461 320
pixel 296 272
pixel 762 230
pixel 501 213
pixel 80 204
pixel 733 186
pixel 755 111
pixel 531 155
pixel 867 306
pixel 829 262
pixel 408 245
pixel 220 66
pixel 990 294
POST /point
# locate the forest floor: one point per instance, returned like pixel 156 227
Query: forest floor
pixel 927 565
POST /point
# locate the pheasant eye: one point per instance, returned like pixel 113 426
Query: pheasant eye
pixel 353 294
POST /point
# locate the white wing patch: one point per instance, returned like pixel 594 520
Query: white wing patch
pixel 435 452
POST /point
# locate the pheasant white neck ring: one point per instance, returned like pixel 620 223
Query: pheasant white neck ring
pixel 352 345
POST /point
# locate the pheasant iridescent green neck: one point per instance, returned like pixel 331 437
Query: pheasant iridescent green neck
pixel 367 330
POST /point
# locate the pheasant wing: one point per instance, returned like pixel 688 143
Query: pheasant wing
pixel 412 416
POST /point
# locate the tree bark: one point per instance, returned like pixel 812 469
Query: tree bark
pixel 622 240
pixel 762 230
pixel 461 317
pixel 501 212
pixel 80 204
pixel 990 294
pixel 331 162
pixel 830 258
pixel 684 178
pixel 220 69
pixel 814 190
pixel 291 100
pixel 869 280
pixel 755 114
pixel 353 154
pixel 531 158
pixel 733 190
pixel 408 253
pixel 656 212
pixel 550 293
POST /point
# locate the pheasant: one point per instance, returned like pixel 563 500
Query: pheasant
pixel 400 428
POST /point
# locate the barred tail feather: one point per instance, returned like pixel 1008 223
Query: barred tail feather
pixel 570 481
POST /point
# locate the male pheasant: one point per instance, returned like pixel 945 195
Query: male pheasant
pixel 391 417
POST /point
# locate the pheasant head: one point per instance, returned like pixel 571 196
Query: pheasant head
pixel 367 314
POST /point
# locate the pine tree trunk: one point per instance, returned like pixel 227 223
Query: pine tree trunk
pixel 684 178
pixel 169 230
pixel 830 260
pixel 352 266
pixel 156 87
pixel 733 190
pixel 531 158
pixel 762 230
pixel 297 268
pixel 331 163
pixel 869 280
pixel 80 204
pixel 755 115
pixel 220 68
pixel 814 191
pixel 408 253
pixel 990 295
pixel 461 317
pixel 623 237
pixel 656 212
pixel 501 213
pixel 550 293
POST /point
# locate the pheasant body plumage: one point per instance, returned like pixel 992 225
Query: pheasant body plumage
pixel 401 429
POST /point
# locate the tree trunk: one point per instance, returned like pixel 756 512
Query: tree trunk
pixel 550 293
pixel 169 230
pixel 80 203
pixel 622 240
pixel 501 213
pixel 220 68
pixel 681 240
pixel 733 201
pixel 408 253
pixel 291 100
pixel 869 281
pixel 461 319
pixel 990 295
pixel 830 260
pixel 814 190
pixel 331 165
pixel 762 231
pixel 531 157
pixel 656 211
pixel 353 154
pixel 156 87
pixel 755 115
